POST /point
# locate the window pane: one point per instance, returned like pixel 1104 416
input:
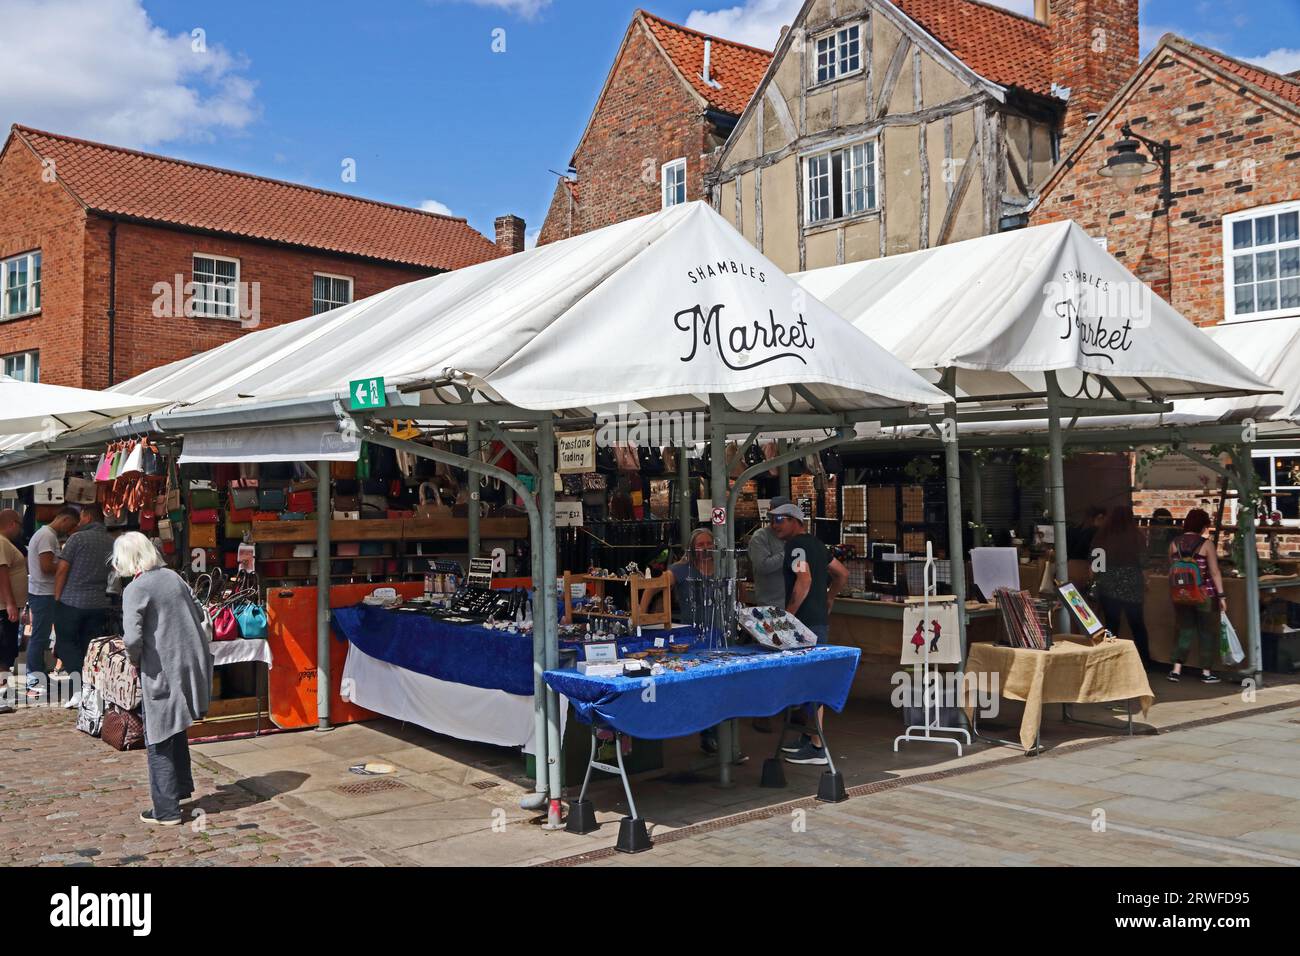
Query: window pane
pixel 1288 227
pixel 1264 231
pixel 1243 269
pixel 1289 261
pixel 1244 299
pixel 1266 296
pixel 849 60
pixel 1265 265
pixel 1241 234
pixel 1290 294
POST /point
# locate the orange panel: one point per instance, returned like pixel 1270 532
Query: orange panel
pixel 291 615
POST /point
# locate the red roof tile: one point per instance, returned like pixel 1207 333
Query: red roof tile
pixel 1281 86
pixel 738 68
pixel 1001 46
pixel 124 182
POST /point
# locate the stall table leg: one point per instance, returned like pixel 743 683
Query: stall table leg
pixel 632 834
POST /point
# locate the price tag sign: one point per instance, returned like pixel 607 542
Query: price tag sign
pixel 659 642
pixel 367 393
pixel 602 653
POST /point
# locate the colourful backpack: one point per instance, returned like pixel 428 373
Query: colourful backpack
pixel 1186 586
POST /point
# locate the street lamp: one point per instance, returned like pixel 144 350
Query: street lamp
pixel 1128 161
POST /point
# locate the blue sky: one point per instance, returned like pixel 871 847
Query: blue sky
pixel 412 90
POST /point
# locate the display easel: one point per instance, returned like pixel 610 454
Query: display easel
pixel 931 727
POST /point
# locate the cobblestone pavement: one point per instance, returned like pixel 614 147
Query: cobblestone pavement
pixel 67 799
pixel 1222 794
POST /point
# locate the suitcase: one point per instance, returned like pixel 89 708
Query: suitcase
pixel 90 712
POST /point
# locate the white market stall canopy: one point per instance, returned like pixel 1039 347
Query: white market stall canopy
pixel 1005 309
pixel 656 312
pixel 34 407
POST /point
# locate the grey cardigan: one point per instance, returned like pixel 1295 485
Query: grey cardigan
pixel 767 558
pixel 164 638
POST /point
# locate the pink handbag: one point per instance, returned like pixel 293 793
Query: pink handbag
pixel 103 471
pixel 225 627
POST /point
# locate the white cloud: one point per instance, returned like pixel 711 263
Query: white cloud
pixel 432 205
pixel 528 9
pixel 1281 60
pixel 759 22
pixel 530 238
pixel 101 69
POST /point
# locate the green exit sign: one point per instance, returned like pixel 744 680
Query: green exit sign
pixel 367 393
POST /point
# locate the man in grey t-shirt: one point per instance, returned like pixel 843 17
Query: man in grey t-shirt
pixel 42 566
pixel 81 589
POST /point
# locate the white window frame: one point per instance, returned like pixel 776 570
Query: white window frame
pixel 845 185
pixel 839 41
pixel 331 275
pixel 32 258
pixel 31 371
pixel 672 166
pixel 1229 266
pixel 1268 489
pixel 201 307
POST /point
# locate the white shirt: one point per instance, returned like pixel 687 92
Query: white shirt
pixel 44 541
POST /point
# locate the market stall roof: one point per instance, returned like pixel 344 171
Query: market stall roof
pixel 1005 309
pixel 1270 348
pixel 35 407
pixel 658 311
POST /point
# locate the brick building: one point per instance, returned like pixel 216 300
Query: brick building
pixel 671 98
pixel 114 261
pixel 1226 247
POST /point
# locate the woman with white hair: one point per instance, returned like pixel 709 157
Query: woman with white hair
pixel 163 630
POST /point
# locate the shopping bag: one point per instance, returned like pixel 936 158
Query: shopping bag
pixel 1230 650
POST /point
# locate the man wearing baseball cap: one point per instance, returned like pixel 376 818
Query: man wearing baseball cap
pixel 812 580
pixel 767 560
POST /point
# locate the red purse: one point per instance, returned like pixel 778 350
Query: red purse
pixel 302 501
pixel 225 626
pixel 266 516
pixel 241 515
pixel 205 516
pixel 148 521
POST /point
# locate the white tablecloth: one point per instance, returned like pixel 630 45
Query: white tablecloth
pixel 445 707
pixel 234 652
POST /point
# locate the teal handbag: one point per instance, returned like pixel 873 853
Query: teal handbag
pixel 252 622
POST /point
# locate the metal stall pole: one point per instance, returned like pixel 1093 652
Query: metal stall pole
pixel 721 544
pixel 475 483
pixel 685 506
pixel 1056 490
pixel 952 469
pixel 550 615
pixel 538 798
pixel 783 471
pixel 977 502
pixel 1250 557
pixel 323 676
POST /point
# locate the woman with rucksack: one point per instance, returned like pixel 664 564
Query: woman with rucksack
pixel 1196 588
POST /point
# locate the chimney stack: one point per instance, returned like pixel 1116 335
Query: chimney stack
pixel 1094 53
pixel 1043 11
pixel 510 235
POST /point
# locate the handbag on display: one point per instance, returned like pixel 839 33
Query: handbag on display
pixel 374 503
pixel 204 499
pixel 80 491
pixel 225 626
pixel 122 729
pixel 243 498
pixel 201 484
pixel 343 469
pixel 347 503
pixel 670 454
pixel 266 516
pixel 48 492
pixel 627 458
pixel 606 460
pixel 241 515
pixel 165 531
pixel 293 516
pixel 303 501
pixel 252 622
pixel 203 536
pixel 148 522
pixel 270 499
pixel 205 516
pixel 237 529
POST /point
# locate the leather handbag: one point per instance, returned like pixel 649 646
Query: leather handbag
pixel 252 622
pixel 225 626
pixel 165 531
pixel 240 515
pixel 122 729
pixel 347 503
pixel 372 503
pixel 236 530
pixel 203 499
pixel 301 501
pixel 203 536
pixel 266 516
pixel 293 516
pixel 271 499
pixel 148 521
pixel 243 498
pixel 205 516
pixel 80 491
pixel 343 469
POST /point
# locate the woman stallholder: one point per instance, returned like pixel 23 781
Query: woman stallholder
pixel 1120 583
pixel 164 635
pixel 1199 622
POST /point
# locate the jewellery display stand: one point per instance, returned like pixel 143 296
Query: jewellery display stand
pixel 928 731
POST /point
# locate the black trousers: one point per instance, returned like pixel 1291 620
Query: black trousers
pixel 170 779
pixel 74 629
pixel 1114 611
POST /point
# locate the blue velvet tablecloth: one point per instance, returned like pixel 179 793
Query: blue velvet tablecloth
pixel 461 653
pixel 751 682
